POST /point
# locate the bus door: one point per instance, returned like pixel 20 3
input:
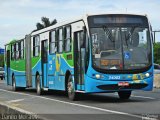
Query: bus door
pixel 79 60
pixel 8 67
pixel 44 58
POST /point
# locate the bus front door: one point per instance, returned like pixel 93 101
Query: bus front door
pixel 79 60
pixel 44 58
pixel 8 67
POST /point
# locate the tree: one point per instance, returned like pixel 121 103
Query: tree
pixel 156 48
pixel 45 23
pixel 39 26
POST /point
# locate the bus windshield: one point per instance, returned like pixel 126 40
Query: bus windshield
pixel 121 44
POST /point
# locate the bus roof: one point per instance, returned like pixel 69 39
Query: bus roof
pixel 13 41
pixel 56 25
pixel 84 17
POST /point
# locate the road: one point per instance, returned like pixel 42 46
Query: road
pixel 54 105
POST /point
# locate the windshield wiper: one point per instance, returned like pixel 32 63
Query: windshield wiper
pixel 108 33
pixel 127 37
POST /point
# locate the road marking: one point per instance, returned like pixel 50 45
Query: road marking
pixel 143 97
pixel 139 96
pixel 80 105
pixel 17 100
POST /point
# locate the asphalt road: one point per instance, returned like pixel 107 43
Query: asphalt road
pixel 54 105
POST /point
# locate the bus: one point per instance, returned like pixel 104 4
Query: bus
pixel 99 53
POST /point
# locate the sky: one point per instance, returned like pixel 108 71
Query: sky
pixel 19 17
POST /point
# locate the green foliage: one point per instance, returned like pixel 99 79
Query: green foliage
pixel 39 26
pixel 156 53
pixel 1 60
pixel 45 23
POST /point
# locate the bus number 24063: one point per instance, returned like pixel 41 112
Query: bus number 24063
pixel 114 77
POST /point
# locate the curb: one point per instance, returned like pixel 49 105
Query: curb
pixel 156 80
pixel 13 113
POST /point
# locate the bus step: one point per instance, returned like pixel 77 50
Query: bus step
pixel 79 91
pixel 45 89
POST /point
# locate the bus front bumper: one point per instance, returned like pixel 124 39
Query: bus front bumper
pixel 95 85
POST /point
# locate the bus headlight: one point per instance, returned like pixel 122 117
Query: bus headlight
pixel 147 74
pixel 98 76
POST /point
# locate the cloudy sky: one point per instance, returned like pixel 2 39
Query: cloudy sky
pixel 19 17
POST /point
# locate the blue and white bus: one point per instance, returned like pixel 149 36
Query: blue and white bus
pixel 92 54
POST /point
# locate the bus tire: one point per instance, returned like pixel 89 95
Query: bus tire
pixel 124 95
pixel 38 85
pixel 14 88
pixel 72 95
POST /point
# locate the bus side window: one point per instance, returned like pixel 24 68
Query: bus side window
pixel 36 46
pixel 12 52
pixel 52 44
pixel 22 50
pixel 17 51
pixel 60 41
pixel 67 39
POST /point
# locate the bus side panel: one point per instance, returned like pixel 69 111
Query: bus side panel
pixel 58 78
pixel 51 71
pixel 28 60
pixel 36 68
pixel 7 69
pixel 59 73
pixel 20 79
pixel 8 75
pixel 62 66
pixel 18 70
pixel 57 68
pixel 35 64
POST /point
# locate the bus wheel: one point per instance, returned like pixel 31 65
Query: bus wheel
pixel 124 94
pixel 38 85
pixel 72 95
pixel 14 88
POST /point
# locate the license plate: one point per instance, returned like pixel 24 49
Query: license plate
pixel 123 84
